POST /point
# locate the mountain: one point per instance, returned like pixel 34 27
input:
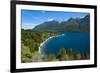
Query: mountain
pixel 50 25
pixel 70 25
pixel 85 23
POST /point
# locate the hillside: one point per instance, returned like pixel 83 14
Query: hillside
pixel 70 25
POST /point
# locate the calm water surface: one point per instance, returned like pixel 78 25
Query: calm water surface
pixel 78 42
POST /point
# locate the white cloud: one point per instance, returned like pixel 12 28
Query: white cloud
pixel 65 19
pixel 82 16
pixel 51 19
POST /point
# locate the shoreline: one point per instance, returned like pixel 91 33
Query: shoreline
pixel 47 40
pixel 44 43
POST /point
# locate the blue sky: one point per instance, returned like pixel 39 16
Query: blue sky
pixel 31 18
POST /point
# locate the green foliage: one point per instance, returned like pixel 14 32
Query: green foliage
pixel 25 54
pixel 50 57
pixel 85 55
pixel 30 42
pixel 66 54
pixel 62 54
pixel 77 56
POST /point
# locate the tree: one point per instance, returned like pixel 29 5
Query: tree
pixel 76 56
pixel 62 54
pixel 25 54
pixel 50 57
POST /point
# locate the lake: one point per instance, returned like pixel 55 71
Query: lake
pixel 74 41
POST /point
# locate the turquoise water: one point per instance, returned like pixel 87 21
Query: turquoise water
pixel 74 41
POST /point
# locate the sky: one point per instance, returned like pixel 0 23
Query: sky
pixel 31 18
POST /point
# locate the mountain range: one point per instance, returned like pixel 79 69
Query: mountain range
pixel 70 25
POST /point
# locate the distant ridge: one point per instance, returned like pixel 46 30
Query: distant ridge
pixel 70 25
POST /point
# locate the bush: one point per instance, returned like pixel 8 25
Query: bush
pixel 50 57
pixel 62 54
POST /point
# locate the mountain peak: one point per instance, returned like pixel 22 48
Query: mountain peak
pixel 72 24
